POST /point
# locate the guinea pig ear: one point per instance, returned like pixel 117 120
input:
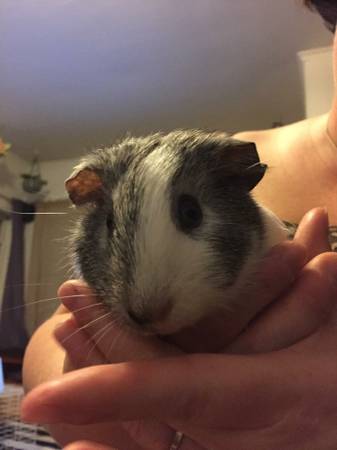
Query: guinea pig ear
pixel 84 186
pixel 245 165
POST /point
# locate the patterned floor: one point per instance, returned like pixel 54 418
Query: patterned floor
pixel 15 435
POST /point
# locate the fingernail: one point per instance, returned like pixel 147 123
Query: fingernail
pixel 79 299
pixel 322 210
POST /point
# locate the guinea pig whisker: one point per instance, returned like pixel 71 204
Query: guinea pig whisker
pixel 97 339
pixel 120 324
pixel 114 342
pixel 87 325
pixel 255 165
pixel 98 304
pixel 43 300
pixel 35 213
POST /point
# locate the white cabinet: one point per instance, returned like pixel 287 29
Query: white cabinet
pixel 317 73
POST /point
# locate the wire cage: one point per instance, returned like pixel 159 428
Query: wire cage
pixel 14 434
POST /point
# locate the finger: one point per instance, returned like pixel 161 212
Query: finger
pixel 79 290
pixel 115 342
pixel 115 434
pixel 275 274
pixel 85 306
pixel 229 391
pixel 152 435
pixel 299 314
pixel 81 350
pixel 313 232
pixel 92 317
pixel 87 445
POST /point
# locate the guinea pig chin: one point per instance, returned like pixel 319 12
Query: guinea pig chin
pixel 162 328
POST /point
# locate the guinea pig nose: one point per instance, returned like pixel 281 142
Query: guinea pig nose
pixel 148 316
pixel 140 318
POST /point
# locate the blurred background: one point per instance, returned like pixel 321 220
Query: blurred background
pixel 78 74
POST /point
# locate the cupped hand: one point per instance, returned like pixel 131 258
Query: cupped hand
pixel 301 309
pixel 289 309
pixel 280 399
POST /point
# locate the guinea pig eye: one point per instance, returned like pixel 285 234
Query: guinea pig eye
pixel 189 212
pixel 109 223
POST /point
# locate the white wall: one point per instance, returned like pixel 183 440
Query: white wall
pixel 317 81
pixel 318 84
pixel 77 74
pixel 56 172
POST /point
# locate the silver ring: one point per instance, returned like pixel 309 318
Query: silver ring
pixel 177 440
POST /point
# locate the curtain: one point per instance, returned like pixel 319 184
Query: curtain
pixel 13 336
pixel 49 262
pixel 5 246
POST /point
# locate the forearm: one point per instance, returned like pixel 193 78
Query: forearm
pixel 44 357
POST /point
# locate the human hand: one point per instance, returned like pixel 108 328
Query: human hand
pixel 278 271
pixel 281 401
pixel 314 268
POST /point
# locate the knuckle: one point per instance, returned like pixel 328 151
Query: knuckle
pixel 135 429
pixel 192 405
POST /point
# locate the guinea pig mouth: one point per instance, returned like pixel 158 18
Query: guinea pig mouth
pixel 156 329
pixel 160 328
pixel 149 329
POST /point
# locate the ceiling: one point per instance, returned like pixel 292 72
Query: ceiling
pixel 75 74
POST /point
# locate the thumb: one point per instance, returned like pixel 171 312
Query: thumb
pixel 313 232
pixel 203 390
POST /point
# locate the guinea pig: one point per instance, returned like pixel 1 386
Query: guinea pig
pixel 170 232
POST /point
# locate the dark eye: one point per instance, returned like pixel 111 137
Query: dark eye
pixel 109 223
pixel 189 212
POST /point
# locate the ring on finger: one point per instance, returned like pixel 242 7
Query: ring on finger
pixel 177 440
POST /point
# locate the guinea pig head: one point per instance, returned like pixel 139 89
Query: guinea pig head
pixel 169 232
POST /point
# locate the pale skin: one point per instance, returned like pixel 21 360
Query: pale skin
pixel 277 388
pixel 303 164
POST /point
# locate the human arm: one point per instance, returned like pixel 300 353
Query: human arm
pixel 41 348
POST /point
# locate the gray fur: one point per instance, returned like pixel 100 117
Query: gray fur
pixel 212 167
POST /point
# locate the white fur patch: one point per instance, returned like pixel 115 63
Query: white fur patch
pixel 170 264
pixel 276 231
